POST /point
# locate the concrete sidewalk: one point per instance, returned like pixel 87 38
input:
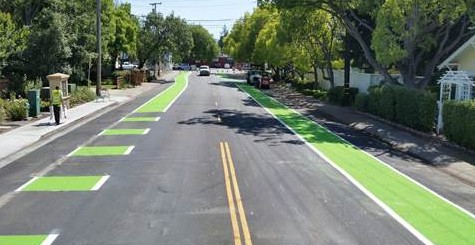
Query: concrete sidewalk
pixel 22 137
pixel 452 160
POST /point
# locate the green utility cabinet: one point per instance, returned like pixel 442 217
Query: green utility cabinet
pixel 35 102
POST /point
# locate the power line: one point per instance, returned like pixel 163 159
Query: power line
pixel 155 6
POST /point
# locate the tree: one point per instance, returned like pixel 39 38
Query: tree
pixel 11 38
pixel 224 34
pixel 205 48
pixel 125 32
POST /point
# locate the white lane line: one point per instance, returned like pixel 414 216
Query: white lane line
pixel 50 239
pixel 129 150
pixel 100 183
pixel 157 119
pixel 72 153
pixel 219 119
pixel 216 103
pixel 146 131
pixel 26 184
pixel 122 119
pixel 385 207
pixel 102 132
pixel 178 96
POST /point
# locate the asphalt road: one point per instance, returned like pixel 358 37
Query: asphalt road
pixel 175 186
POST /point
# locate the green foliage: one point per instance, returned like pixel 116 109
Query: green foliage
pixel 82 95
pixel 12 38
pixel 459 122
pixel 205 48
pixel 16 109
pixel 413 108
pixel 361 102
pixel 2 110
pixel 336 95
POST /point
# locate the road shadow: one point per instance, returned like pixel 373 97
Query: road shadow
pixel 261 126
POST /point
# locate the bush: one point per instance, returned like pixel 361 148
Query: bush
pixel 336 95
pixel 82 95
pixel 2 110
pixel 16 109
pixel 320 95
pixel 459 122
pixel 361 102
pixel 410 107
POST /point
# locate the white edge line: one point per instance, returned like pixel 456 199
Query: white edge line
pixel 100 183
pixel 178 96
pixel 102 132
pixel 27 184
pixel 384 163
pixel 50 239
pixel 140 107
pixel 157 119
pixel 129 150
pixel 146 131
pixel 72 153
pixel 122 119
pixel 386 208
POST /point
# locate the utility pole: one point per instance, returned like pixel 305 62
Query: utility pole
pixel 155 6
pixel 99 49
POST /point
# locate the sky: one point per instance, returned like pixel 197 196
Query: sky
pixel 212 14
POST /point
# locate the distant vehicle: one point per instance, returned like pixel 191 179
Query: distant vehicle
pixel 204 71
pixel 176 67
pixel 185 67
pixel 227 66
pixel 128 66
pixel 253 76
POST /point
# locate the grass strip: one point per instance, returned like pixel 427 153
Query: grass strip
pixel 433 217
pixel 163 100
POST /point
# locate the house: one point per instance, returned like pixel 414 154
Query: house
pixel 463 59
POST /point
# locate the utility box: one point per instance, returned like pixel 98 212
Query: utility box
pixel 35 102
pixel 72 88
pixel 60 80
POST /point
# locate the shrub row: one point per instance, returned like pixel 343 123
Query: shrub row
pixel 410 107
pixel 82 95
pixel 459 122
pixel 336 95
pixel 2 110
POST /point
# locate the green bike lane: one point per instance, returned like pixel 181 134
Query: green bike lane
pixel 44 190
pixel 428 216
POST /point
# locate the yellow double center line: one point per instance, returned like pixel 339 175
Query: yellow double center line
pixel 230 177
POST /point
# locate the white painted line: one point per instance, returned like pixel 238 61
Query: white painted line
pixel 122 119
pixel 26 184
pixel 100 183
pixel 72 153
pixel 385 207
pixel 178 96
pixel 102 132
pixel 129 150
pixel 157 119
pixel 50 239
pixel 146 131
pixel 216 103
pixel 219 119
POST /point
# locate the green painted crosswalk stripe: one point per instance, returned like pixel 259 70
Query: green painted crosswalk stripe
pixel 163 101
pixel 28 239
pixel 435 218
pixel 86 151
pixel 141 119
pixel 110 132
pixel 64 183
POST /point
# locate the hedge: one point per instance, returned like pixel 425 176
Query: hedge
pixel 361 102
pixel 410 107
pixel 336 95
pixel 2 110
pixel 82 95
pixel 459 122
pixel 16 109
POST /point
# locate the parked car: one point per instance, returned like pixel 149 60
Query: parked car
pixel 128 66
pixel 227 66
pixel 185 67
pixel 204 71
pixel 264 81
pixel 252 76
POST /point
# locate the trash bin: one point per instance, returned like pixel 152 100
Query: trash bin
pixel 34 102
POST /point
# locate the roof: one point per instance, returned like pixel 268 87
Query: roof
pixel 457 52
